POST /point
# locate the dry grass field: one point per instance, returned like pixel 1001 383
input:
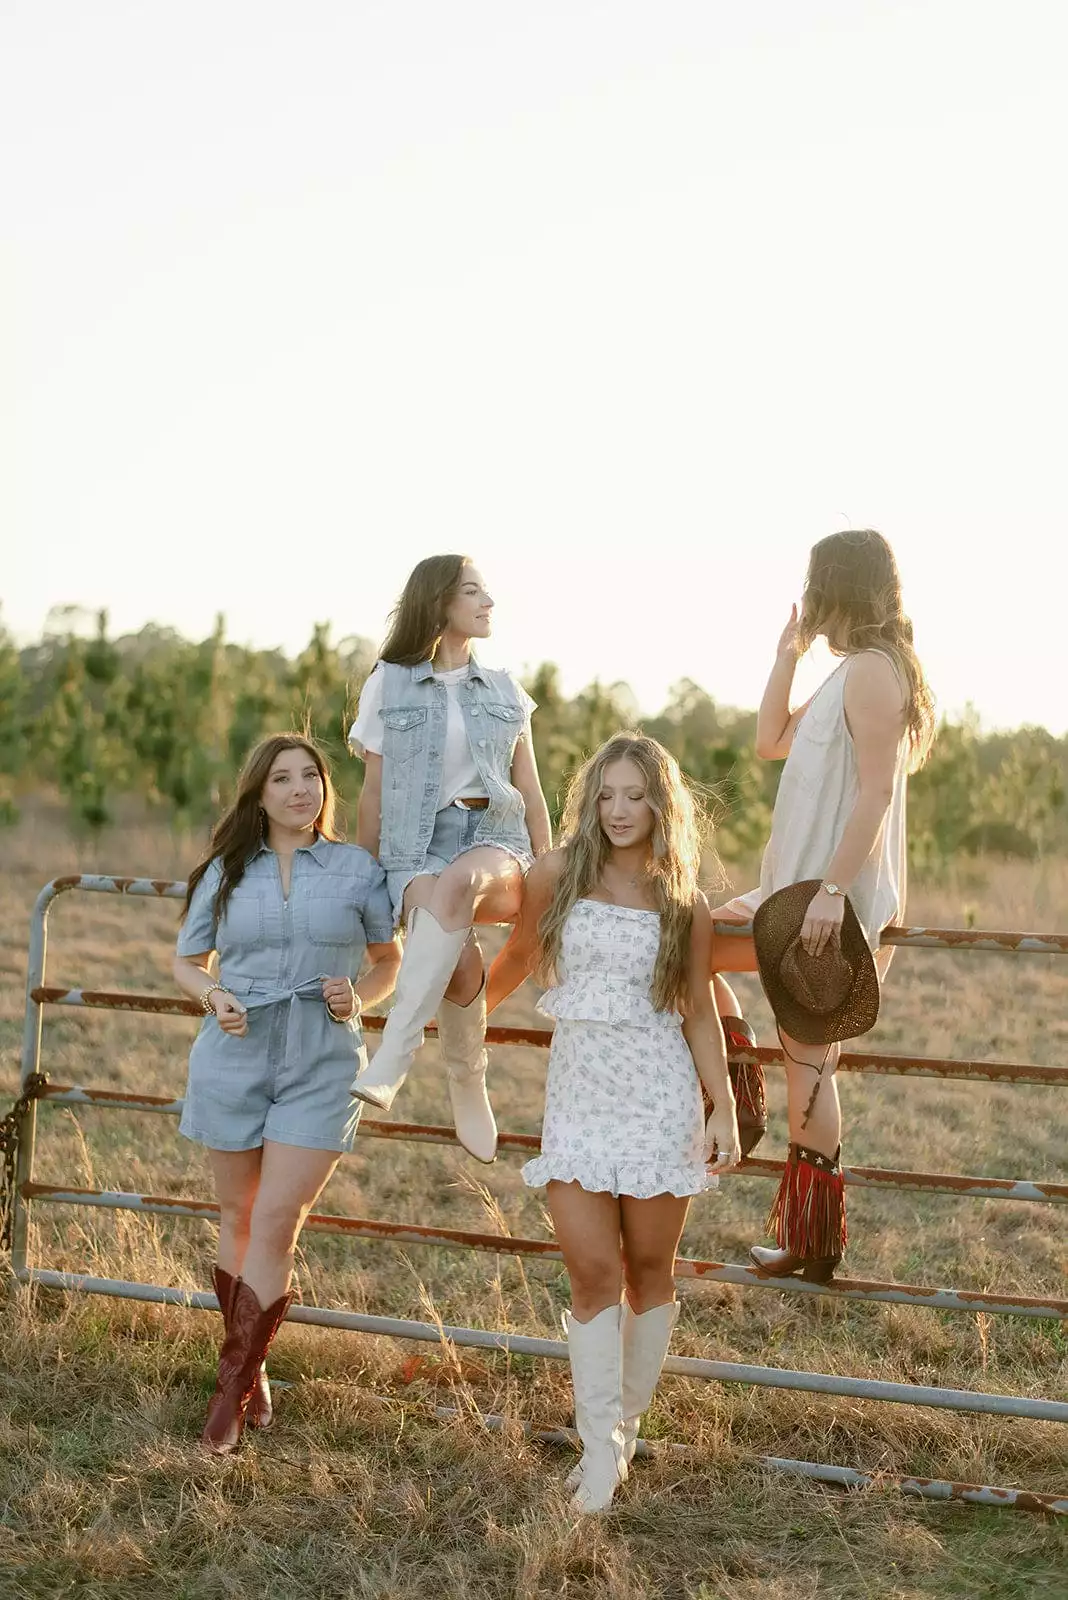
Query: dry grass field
pixel 361 1491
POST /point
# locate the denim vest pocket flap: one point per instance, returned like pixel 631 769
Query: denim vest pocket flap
pixel 402 718
pixel 506 713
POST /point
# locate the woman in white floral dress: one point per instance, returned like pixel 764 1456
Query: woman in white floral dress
pixel 614 919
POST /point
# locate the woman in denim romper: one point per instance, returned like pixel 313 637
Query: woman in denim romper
pixel 452 807
pixel 290 911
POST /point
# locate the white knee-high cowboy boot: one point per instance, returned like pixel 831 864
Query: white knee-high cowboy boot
pixel 596 1352
pixel 430 956
pixel 462 1031
pixel 646 1337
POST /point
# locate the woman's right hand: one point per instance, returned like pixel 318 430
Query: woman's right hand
pixel 230 1013
pixel 788 647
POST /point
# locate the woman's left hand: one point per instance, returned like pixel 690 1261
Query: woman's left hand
pixel 723 1147
pixel 823 921
pixel 340 998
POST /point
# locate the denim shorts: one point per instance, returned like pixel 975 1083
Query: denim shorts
pixel 454 834
pixel 243 1091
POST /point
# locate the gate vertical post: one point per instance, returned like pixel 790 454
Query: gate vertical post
pixel 31 1063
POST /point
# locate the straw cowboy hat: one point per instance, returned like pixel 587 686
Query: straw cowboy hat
pixel 816 999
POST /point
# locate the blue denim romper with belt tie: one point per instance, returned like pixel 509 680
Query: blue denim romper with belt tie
pixel 288 1079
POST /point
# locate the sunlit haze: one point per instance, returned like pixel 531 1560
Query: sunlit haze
pixel 633 302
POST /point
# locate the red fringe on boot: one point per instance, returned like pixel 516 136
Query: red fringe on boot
pixel 807 1218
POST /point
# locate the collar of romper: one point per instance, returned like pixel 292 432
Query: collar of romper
pixel 425 670
pixel 317 851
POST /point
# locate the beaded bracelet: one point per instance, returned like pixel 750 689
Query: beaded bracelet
pixel 209 1010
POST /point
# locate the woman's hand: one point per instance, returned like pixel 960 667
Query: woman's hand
pixel 340 998
pixel 723 1147
pixel 788 645
pixel 229 1012
pixel 823 921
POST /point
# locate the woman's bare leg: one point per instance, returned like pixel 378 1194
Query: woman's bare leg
pixel 291 1181
pixel 236 1176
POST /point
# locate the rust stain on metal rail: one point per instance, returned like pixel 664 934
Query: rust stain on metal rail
pixel 903 1066
pixel 923 937
pixel 526 1143
pixel 507 1244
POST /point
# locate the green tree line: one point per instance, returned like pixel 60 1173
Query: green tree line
pixel 169 719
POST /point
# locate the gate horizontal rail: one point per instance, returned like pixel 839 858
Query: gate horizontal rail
pixel 529 1144
pixel 510 1244
pixel 40 995
pixel 912 1394
pixel 767 1055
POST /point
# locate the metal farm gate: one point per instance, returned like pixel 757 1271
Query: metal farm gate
pixel 35 1087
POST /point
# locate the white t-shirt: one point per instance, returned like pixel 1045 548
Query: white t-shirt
pixel 460 778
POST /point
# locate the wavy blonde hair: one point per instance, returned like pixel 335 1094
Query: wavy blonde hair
pixel 853 596
pixel 678 839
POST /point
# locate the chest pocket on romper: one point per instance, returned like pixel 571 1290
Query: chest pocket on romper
pixel 244 921
pixel 504 724
pixel 327 914
pixel 405 732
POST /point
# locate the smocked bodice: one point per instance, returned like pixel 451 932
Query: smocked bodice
pixel 605 970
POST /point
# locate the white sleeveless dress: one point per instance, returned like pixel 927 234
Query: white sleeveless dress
pixel 623 1106
pixel 817 792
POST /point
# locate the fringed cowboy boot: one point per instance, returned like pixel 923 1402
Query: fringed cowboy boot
pixel 747 1081
pixel 248 1338
pixel 260 1412
pixel 807 1218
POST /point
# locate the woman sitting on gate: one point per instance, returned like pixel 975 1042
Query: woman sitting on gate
pixel 615 920
pixel 452 806
pixel 838 831
pixel 290 912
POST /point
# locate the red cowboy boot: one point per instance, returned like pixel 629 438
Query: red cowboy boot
pixel 260 1413
pixel 248 1338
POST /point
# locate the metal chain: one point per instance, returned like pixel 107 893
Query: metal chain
pixel 10 1133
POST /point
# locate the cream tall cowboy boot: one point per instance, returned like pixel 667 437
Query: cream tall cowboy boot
pixel 646 1337
pixel 596 1352
pixel 462 1031
pixel 430 956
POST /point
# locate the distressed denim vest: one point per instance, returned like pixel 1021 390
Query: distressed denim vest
pixel 414 713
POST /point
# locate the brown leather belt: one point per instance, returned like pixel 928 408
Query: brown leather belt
pixel 478 803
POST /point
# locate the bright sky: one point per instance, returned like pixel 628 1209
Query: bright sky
pixel 632 301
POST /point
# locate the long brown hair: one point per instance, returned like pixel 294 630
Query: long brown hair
pixel 853 595
pixel 675 861
pixel 239 830
pixel 417 621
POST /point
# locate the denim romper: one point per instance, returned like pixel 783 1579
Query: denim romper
pixel 415 836
pixel 288 1078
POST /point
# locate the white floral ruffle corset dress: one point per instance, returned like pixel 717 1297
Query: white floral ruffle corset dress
pixel 623 1108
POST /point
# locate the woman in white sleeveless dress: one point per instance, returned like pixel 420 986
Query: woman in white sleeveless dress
pixel 615 921
pixel 839 817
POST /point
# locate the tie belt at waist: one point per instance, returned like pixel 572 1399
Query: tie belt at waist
pixel 296 1041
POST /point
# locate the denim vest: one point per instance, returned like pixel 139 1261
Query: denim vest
pixel 414 713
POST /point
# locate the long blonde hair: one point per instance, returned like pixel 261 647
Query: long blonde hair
pixel 853 595
pixel 675 860
pixel 417 621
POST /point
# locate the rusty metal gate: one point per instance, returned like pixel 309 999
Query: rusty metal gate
pixel 29 1192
